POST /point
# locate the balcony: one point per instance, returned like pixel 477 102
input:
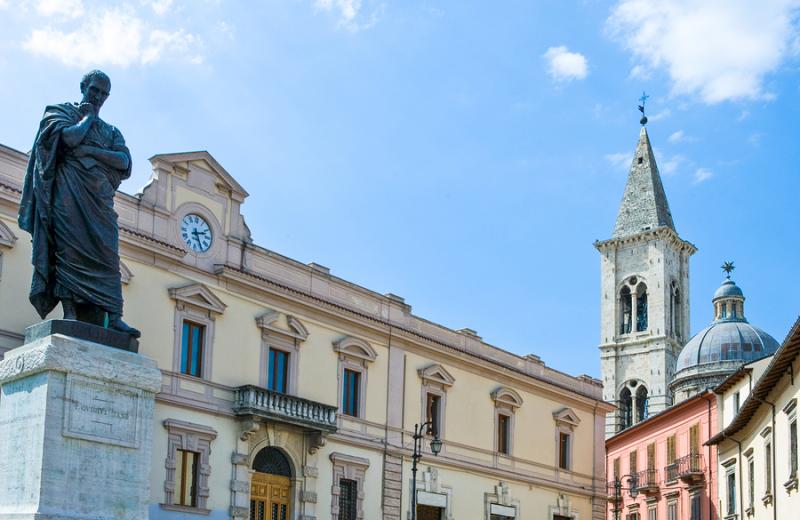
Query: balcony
pixel 688 468
pixel 254 401
pixel 647 482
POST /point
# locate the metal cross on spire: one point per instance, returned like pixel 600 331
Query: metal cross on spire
pixel 643 100
pixel 728 267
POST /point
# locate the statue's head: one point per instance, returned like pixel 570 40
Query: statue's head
pixel 95 87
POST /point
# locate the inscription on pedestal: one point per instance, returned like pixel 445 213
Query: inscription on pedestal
pixel 101 412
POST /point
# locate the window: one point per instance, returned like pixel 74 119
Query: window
pixel 641 308
pixel 751 483
pixel 641 404
pixel 348 499
pixel 187 465
pixel 506 401
pixel 617 472
pixel 192 348
pixel 632 463
pixel 652 513
pixel 186 478
pixel 672 510
pixel 625 408
pixel 351 393
pixel 436 380
pixel 196 309
pixel 347 489
pixel 694 504
pixel 503 433
pixel 563 450
pixel 694 447
pixel 768 467
pixel 432 412
pixel 730 479
pixel 626 308
pixel 355 355
pixel 278 371
pixel 736 403
pixel 793 448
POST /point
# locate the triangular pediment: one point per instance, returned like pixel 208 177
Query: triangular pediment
pixel 7 237
pixel 198 295
pixel 280 323
pixel 225 179
pixel 566 417
pixel 436 374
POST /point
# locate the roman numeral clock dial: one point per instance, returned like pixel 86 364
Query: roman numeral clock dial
pixel 196 233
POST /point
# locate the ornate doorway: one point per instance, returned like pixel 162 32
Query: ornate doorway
pixel 271 486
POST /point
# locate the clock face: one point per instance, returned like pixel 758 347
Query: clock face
pixel 196 233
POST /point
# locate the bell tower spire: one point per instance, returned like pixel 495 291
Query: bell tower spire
pixel 644 289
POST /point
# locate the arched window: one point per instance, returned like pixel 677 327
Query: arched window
pixel 641 308
pixel 675 309
pixel 273 461
pixel 626 307
pixel 641 404
pixel 625 408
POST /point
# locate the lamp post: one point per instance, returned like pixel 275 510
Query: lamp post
pixel 618 491
pixel 436 447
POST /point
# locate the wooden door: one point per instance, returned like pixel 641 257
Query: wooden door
pixel 270 497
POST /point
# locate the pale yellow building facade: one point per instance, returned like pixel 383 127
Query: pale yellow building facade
pixel 290 393
pixel 758 440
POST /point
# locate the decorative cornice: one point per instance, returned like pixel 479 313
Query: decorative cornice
pixel 506 396
pixel 150 243
pixel 436 373
pixel 354 347
pixel 268 320
pixel 198 295
pixel 663 233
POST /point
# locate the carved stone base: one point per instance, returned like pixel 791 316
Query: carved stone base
pixel 76 423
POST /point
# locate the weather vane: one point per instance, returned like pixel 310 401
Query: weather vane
pixel 643 100
pixel 728 267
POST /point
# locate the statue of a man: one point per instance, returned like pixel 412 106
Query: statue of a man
pixel 76 165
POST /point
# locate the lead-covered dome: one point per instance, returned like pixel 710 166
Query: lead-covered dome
pixel 721 348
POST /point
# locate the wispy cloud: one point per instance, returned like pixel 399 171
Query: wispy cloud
pixel 719 50
pixel 620 161
pixel 702 175
pixel 680 137
pixel 350 13
pixel 565 66
pixel 60 8
pixel 113 36
pixel 161 7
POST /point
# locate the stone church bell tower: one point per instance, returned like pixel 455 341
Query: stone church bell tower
pixel 644 297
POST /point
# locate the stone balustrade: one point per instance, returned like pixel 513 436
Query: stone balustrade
pixel 259 402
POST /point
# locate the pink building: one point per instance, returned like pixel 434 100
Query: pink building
pixel 661 467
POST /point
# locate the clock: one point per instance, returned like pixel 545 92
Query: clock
pixel 196 233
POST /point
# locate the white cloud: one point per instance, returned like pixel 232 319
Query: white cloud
pixel 702 175
pixel 676 137
pixel 161 7
pixel 663 114
pixel 349 13
pixel 565 66
pixel 720 50
pixel 62 8
pixel 114 37
pixel 620 161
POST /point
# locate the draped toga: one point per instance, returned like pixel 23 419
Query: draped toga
pixel 68 208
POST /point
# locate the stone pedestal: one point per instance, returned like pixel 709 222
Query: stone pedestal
pixel 76 425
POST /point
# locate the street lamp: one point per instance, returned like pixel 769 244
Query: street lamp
pixel 634 489
pixel 436 447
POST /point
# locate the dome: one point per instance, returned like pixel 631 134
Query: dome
pixel 728 289
pixel 726 341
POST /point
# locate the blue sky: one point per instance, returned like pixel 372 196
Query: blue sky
pixel 464 155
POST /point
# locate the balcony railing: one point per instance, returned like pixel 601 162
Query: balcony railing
pixel 260 402
pixel 688 467
pixel 647 481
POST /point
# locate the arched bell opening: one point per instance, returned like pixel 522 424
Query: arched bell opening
pixel 271 486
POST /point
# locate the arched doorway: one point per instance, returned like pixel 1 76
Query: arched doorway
pixel 271 486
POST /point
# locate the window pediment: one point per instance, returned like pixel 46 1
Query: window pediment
pixel 505 396
pixel 198 295
pixel 272 321
pixel 7 237
pixel 436 374
pixel 355 348
pixel 566 417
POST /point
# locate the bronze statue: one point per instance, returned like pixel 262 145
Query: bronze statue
pixel 77 163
